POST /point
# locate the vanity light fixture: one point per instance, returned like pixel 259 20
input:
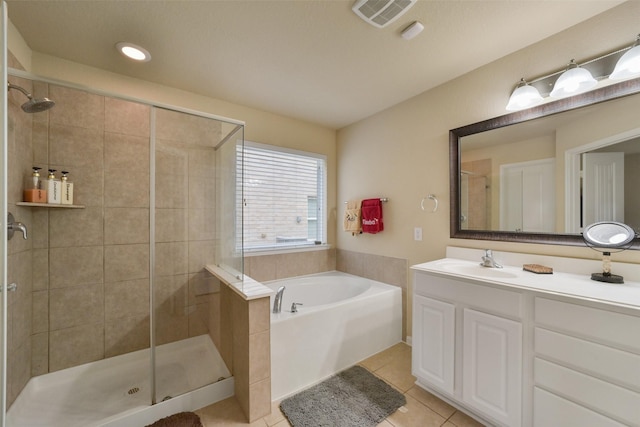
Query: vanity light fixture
pixel 629 64
pixel 133 51
pixel 573 81
pixel 524 96
pixel 619 64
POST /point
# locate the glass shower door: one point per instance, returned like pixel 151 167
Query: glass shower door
pixel 185 294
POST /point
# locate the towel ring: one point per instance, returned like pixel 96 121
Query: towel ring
pixel 430 197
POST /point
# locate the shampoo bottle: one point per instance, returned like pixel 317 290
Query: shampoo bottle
pixel 53 189
pixel 33 190
pixel 67 189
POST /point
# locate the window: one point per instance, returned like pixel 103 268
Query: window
pixel 284 197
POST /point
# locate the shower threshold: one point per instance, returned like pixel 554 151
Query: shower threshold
pixel 116 391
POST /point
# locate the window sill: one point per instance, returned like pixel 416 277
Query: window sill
pixel 285 250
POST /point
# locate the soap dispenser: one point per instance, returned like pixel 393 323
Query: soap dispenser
pixel 33 190
pixel 53 189
pixel 67 189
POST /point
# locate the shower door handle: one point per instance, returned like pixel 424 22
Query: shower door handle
pixel 13 226
pixel 10 287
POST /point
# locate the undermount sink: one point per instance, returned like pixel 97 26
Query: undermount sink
pixel 467 269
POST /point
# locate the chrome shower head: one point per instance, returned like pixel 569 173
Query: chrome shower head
pixel 32 105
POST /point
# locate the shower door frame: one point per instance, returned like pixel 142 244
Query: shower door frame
pixel 3 214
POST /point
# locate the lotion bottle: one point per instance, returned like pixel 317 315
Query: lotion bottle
pixel 53 189
pixel 33 190
pixel 67 189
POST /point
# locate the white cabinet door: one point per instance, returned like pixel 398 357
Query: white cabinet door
pixel 433 342
pixel 492 366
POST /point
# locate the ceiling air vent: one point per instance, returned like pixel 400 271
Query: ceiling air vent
pixel 381 13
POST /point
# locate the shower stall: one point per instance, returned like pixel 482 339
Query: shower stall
pixel 113 318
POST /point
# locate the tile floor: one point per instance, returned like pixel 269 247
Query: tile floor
pixel 392 365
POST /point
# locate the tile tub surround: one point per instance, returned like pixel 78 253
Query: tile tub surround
pixel 393 271
pixel 83 273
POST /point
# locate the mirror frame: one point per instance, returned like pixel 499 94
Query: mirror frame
pixel 603 94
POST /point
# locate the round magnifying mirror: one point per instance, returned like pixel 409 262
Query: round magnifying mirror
pixel 608 234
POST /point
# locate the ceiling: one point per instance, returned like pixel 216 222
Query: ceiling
pixel 314 60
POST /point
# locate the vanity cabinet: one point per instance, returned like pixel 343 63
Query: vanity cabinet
pixel 467 345
pixel 508 352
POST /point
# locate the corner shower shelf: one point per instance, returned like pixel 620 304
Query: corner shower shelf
pixel 49 205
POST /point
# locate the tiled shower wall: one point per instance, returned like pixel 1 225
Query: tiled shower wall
pixel 83 274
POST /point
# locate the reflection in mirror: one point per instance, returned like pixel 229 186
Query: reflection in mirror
pixel 540 175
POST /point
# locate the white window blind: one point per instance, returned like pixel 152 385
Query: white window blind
pixel 283 193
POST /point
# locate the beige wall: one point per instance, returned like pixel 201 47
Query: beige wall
pixel 402 153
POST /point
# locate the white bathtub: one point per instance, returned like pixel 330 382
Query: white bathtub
pixel 343 319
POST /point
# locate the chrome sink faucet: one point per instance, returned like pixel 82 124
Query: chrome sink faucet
pixel 488 260
pixel 277 301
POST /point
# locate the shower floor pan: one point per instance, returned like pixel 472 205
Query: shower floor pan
pixel 116 391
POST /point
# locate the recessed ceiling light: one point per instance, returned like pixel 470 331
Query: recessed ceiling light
pixel 133 51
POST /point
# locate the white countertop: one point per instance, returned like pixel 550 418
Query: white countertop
pixel 571 284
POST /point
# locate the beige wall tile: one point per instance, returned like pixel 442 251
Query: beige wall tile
pixel 259 357
pixel 350 262
pixel 126 226
pixel 126 299
pixel 171 327
pixel 76 306
pixel 125 152
pixel 76 108
pixel 20 372
pixel 126 262
pixel 202 162
pixel 75 346
pixel 39 354
pixel 201 285
pixel 75 227
pixel 201 253
pixel 39 230
pixel 182 127
pixel 202 224
pixel 125 117
pixel 170 302
pixel 75 146
pixel 171 258
pixel 126 335
pixel 260 399
pixel 40 269
pixel 261 268
pixel 126 188
pixel 40 312
pixel 40 141
pixel 171 225
pixel 202 192
pixel 75 266
pixel 259 315
pixel 172 190
pixel 198 315
pixel 21 312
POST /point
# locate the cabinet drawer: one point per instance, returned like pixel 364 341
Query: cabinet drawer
pixel 617 366
pixel 610 400
pixel 550 410
pixel 498 301
pixel 608 327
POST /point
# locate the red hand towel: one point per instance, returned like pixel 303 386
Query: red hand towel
pixel 372 216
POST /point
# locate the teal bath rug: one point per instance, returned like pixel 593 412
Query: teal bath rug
pixel 352 398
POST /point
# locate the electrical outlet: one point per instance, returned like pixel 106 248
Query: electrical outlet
pixel 417 233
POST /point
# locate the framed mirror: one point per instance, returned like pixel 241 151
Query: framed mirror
pixel 537 175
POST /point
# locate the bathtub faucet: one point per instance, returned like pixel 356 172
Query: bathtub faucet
pixel 277 301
